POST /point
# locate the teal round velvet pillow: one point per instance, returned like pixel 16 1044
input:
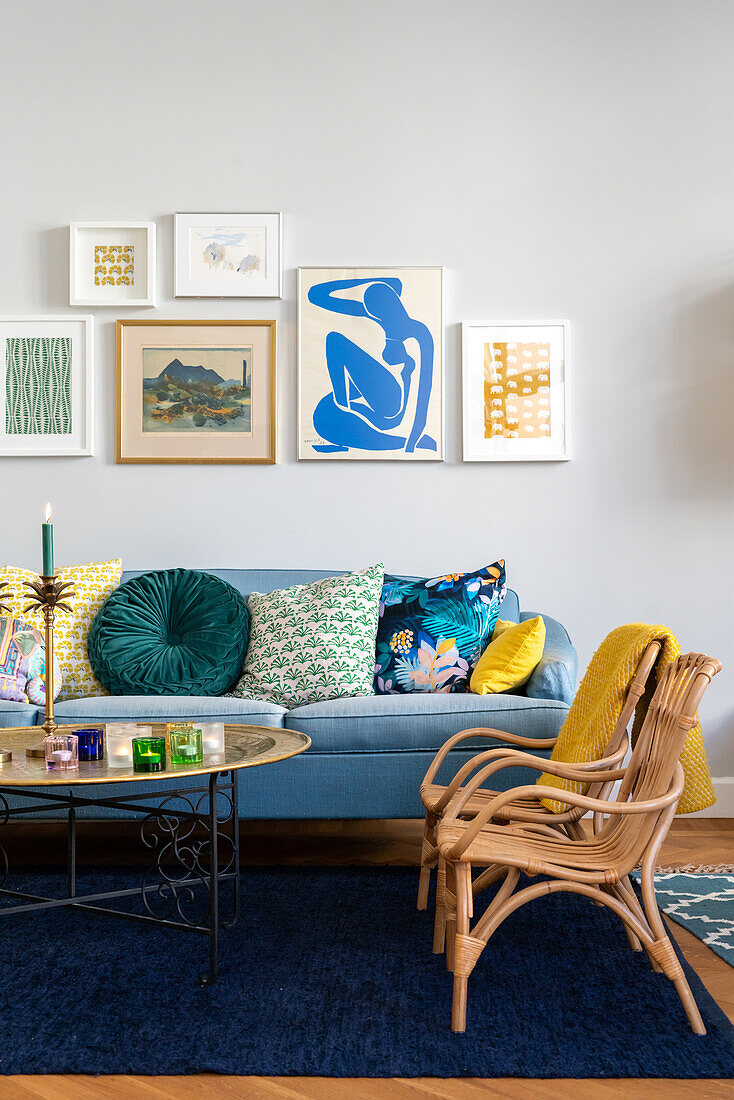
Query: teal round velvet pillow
pixel 171 632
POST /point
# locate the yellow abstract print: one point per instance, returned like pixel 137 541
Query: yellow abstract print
pixel 516 390
pixel 114 264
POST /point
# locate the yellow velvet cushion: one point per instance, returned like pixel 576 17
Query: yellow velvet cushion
pixel 508 661
pixel 93 583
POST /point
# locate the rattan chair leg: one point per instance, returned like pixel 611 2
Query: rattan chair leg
pixel 424 883
pixel 462 885
pixel 662 950
pixel 450 910
pixel 439 921
pixel 429 857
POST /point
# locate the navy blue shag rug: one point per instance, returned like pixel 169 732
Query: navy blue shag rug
pixel 330 973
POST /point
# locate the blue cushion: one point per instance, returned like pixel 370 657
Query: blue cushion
pixel 432 631
pixel 136 708
pixel 421 721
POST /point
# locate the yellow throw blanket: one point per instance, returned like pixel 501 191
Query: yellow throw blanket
pixel 598 704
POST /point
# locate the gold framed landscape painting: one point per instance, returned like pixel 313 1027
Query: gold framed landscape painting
pixel 515 392
pixel 196 391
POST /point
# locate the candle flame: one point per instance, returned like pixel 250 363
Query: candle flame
pixel 47 514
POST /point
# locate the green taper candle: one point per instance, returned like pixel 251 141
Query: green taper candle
pixel 47 538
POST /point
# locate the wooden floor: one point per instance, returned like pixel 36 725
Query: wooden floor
pixel 706 841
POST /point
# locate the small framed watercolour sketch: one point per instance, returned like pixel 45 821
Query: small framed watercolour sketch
pixel 227 255
pixel 515 392
pixel 112 264
pixel 370 363
pixel 46 386
pixel 196 391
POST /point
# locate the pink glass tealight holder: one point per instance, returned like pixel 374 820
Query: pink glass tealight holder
pixel 62 752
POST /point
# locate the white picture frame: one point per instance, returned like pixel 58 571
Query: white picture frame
pixel 112 264
pixel 62 348
pixel 511 414
pixel 417 294
pixel 228 255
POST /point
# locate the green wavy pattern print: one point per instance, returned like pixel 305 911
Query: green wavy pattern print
pixel 38 386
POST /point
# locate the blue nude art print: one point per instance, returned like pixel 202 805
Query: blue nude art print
pixel 371 363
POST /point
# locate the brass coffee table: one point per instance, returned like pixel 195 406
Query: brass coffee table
pixel 192 831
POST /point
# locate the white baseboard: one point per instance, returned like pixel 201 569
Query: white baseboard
pixel 724 805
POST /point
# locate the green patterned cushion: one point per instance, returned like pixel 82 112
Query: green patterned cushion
pixel 170 632
pixel 312 642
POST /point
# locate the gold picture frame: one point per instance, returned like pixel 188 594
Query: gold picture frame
pixel 175 412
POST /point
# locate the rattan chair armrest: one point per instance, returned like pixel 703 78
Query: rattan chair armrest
pixel 494 735
pixel 590 771
pixel 570 798
pixel 489 755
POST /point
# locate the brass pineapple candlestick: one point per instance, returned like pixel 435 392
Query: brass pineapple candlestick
pixel 50 595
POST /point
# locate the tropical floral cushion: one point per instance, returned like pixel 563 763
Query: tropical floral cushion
pixel 23 663
pixel 432 632
pixel 313 642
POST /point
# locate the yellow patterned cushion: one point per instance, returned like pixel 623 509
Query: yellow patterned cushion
pixel 93 583
pixel 598 704
pixel 508 661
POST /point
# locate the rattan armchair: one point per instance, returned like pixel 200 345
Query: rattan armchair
pixel 629 830
pixel 436 797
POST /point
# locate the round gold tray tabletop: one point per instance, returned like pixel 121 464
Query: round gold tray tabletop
pixel 244 747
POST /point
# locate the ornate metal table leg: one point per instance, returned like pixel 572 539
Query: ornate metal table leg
pixel 208 979
pixel 235 838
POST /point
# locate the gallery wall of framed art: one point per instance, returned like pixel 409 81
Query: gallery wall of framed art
pixel 196 391
pixel 370 363
pixel 370 359
pixel 46 386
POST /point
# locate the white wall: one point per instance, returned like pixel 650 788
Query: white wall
pixel 564 159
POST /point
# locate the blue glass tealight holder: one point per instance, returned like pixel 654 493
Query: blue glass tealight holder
pixel 91 743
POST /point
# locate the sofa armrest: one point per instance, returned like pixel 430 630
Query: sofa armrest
pixel 554 676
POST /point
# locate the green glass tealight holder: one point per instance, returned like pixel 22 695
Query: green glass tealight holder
pixel 186 745
pixel 149 754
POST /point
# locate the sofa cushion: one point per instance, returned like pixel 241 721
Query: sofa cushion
pixel 17 714
pixel 396 723
pixel 170 632
pixel 23 663
pixel 137 708
pixel 312 642
pixel 432 631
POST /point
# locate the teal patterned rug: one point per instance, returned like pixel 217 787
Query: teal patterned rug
pixel 702 903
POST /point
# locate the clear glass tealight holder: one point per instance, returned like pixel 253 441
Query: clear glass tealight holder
pixel 212 734
pixel 119 742
pixel 186 746
pixel 62 752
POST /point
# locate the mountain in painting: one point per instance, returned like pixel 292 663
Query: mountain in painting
pixel 176 371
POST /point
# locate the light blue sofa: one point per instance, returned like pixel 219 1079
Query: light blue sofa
pixel 368 754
